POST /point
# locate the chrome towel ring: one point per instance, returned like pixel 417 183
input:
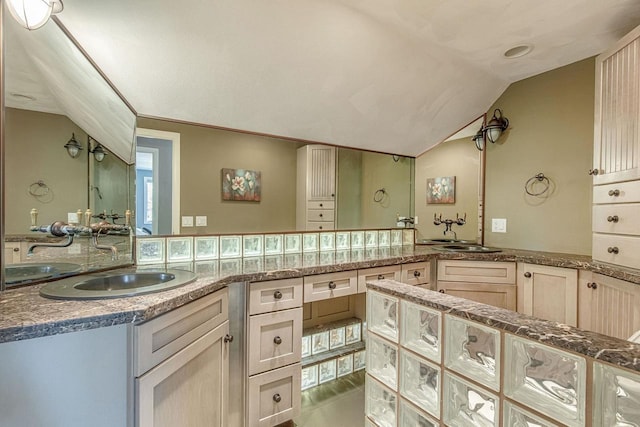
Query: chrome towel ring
pixel 39 189
pixel 379 195
pixel 531 183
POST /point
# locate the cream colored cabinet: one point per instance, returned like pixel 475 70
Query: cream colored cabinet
pixel 486 282
pixel 331 285
pixel 181 365
pixel 316 188
pixel 550 293
pixel 274 345
pixel 12 252
pixel 391 272
pixel 416 274
pixel 608 306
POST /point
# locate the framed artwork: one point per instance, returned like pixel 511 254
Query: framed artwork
pixel 241 185
pixel 441 190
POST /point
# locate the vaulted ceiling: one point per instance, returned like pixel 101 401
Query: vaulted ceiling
pixel 394 76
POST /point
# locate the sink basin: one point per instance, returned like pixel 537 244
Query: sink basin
pixel 16 273
pixel 120 284
pixel 441 241
pixel 469 249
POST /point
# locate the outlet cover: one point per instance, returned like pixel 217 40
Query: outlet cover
pixel 187 221
pixel 499 225
pixel 201 221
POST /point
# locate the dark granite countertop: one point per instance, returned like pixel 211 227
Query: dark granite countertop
pixel 600 347
pixel 24 314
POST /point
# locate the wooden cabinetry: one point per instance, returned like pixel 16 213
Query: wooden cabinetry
pixel 181 365
pixel 487 282
pixel 608 306
pixel 316 188
pixel 550 293
pixel 416 274
pixel 12 252
pixel 391 272
pixel 330 285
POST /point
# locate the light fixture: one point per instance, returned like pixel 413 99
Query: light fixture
pixel 478 138
pixel 98 151
pixel 33 14
pixel 496 126
pixel 73 147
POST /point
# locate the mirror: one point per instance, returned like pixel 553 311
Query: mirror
pixel 51 93
pixel 207 151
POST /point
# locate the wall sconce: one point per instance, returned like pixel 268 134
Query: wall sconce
pixel 73 147
pixel 33 14
pixel 98 150
pixel 492 130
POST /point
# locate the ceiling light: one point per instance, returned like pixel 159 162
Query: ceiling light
pixel 518 51
pixel 33 14
pixel 73 147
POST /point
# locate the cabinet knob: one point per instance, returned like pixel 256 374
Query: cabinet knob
pixel 321 205
pixel 592 285
pixel 332 285
pixel 594 171
pixel 16 249
pixel 277 340
pixel 277 398
pixel 320 215
pixel 441 291
pixel 527 274
pixel 320 227
pixel 613 218
pixel 333 195
pixel 277 295
pixel 416 273
pixel 380 276
pixel 228 338
pixel 614 193
pixel 613 250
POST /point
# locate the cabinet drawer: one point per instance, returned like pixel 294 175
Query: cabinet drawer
pixel 627 249
pixel 162 337
pixel 477 271
pixel 497 295
pixel 275 340
pixel 621 192
pixel 275 295
pixel 379 273
pixel 416 273
pixel 274 397
pixel 618 219
pixel 314 225
pixel 320 215
pixel 325 204
pixel 331 285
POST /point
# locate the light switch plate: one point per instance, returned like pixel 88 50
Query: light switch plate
pixel 499 225
pixel 187 221
pixel 201 221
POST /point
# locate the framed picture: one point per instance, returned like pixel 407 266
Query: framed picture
pixel 241 185
pixel 441 190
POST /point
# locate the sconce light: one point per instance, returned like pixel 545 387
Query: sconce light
pixel 33 14
pixel 478 138
pixel 98 150
pixel 492 130
pixel 73 147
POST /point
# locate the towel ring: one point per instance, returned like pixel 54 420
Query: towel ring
pixel 379 195
pixel 531 182
pixel 39 189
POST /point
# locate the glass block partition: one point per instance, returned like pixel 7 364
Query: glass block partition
pixel 430 365
pixel 175 249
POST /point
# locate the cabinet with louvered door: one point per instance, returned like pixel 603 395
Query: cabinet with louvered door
pixel 316 188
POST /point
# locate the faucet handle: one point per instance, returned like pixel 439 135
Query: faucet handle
pixel 127 218
pixel 87 218
pixel 34 217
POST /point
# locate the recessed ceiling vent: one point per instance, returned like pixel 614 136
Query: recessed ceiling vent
pixel 518 51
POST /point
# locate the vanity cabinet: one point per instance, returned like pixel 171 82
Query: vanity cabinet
pixel 330 285
pixel 608 306
pixel 181 365
pixel 13 252
pixel 391 272
pixel 316 187
pixel 550 293
pixel 487 282
pixel 416 274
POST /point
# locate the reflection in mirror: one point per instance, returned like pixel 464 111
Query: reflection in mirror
pixel 205 151
pixel 458 158
pixel 52 92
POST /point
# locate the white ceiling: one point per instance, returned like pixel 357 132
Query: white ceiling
pixel 394 76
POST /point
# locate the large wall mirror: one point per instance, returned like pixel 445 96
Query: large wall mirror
pixel 54 94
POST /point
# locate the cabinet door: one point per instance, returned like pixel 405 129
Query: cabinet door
pixel 274 396
pixel 188 389
pixel 495 294
pixel 275 340
pixel 550 293
pixel 321 172
pixel 609 306
pixel 617 112
pixel 416 273
pixel 12 252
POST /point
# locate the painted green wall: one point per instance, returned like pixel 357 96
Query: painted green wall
pixel 551 131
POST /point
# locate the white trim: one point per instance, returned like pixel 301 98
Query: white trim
pixel 174 137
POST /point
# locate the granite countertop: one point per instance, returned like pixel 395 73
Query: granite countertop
pixel 600 347
pixel 24 314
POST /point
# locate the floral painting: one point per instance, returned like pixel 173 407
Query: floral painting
pixel 241 184
pixel 441 190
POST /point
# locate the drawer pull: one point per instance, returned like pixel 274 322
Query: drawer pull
pixel 277 340
pixel 614 193
pixel 16 249
pixel 320 227
pixel 594 171
pixel 277 398
pixel 228 338
pixel 441 291
pixel 320 215
pixel 321 205
pixel 380 276
pixel 527 274
pixel 416 273
pixel 277 295
pixel 613 218
pixel 332 285
pixel 592 285
pixel 613 250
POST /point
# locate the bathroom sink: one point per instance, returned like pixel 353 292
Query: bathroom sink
pixel 16 273
pixel 441 241
pixel 117 284
pixel 468 249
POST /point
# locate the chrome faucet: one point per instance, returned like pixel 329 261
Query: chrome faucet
pixel 437 220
